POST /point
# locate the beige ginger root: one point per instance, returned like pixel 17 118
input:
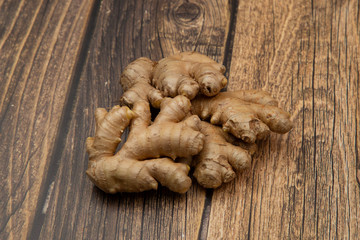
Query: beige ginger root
pixel 221 155
pixel 136 83
pixel 248 115
pixel 187 73
pixel 147 156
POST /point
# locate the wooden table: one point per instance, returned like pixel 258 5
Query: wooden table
pixel 59 60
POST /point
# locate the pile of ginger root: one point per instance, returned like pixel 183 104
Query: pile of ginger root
pixel 198 127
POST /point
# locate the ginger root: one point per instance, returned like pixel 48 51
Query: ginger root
pixel 136 83
pixel 221 155
pixel 161 152
pixel 147 156
pixel 248 115
pixel 188 73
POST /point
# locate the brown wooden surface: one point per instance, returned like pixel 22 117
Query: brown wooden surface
pixel 59 60
pixel 39 45
pixel 302 185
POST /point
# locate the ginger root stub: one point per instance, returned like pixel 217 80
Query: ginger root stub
pixel 187 74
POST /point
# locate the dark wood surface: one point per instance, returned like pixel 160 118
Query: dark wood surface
pixel 60 60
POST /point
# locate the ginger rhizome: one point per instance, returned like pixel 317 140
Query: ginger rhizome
pixel 188 73
pixel 248 115
pixel 162 151
pixel 136 83
pixel 148 155
pixel 220 157
pixel 245 116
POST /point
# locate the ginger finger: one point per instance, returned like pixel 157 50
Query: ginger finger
pixel 188 73
pixel 254 96
pixel 249 120
pixel 136 83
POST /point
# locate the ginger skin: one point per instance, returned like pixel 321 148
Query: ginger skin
pixel 136 83
pixel 147 156
pixel 221 155
pixel 248 115
pixel 187 73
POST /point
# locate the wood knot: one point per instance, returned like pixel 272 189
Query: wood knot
pixel 299 181
pixel 186 12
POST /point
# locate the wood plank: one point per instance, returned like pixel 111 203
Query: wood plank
pixel 39 45
pixel 301 185
pixel 124 31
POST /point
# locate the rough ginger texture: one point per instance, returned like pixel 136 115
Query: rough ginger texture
pixel 188 73
pixel 216 150
pixel 248 115
pixel 147 156
pixel 136 83
pixel 221 155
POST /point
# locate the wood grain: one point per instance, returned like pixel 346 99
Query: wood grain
pixel 124 31
pixel 39 44
pixel 302 185
pixel 60 60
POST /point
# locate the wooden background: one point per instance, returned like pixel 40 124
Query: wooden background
pixel 59 60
